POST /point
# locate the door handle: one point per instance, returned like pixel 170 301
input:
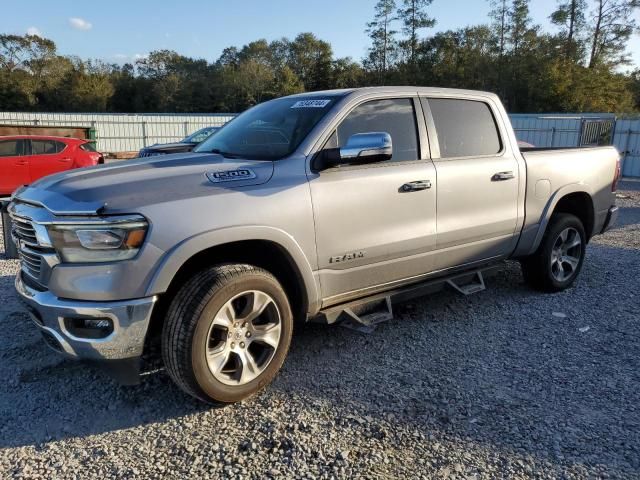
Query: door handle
pixel 416 186
pixel 65 160
pixel 500 176
pixel 21 162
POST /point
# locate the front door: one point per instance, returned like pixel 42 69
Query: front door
pixel 369 230
pixel 14 169
pixel 478 180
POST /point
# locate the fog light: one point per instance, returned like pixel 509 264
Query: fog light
pixel 93 328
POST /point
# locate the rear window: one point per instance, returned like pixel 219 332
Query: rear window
pixel 10 148
pixel 88 147
pixel 465 128
pixel 46 147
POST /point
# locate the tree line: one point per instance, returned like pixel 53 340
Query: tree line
pixel 583 66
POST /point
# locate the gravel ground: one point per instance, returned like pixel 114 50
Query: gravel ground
pixel 507 383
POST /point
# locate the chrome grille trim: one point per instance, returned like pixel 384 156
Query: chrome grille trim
pixel 31 251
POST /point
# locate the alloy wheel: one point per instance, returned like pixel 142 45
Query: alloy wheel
pixel 566 254
pixel 243 337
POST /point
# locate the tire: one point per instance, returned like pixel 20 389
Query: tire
pixel 215 346
pixel 555 266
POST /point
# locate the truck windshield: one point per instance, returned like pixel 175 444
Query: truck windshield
pixel 271 130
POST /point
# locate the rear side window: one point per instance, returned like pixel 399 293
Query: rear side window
pixel 465 128
pixel 88 147
pixel 394 116
pixel 10 148
pixel 46 147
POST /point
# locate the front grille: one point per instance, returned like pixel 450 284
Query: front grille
pixel 29 249
pixel 31 261
pixel 23 230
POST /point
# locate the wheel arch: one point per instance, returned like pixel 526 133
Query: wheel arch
pixel 269 248
pixel 576 199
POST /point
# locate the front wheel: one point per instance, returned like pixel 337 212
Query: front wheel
pixel 558 261
pixel 227 333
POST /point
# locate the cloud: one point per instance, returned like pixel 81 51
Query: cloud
pixel 34 31
pixel 80 23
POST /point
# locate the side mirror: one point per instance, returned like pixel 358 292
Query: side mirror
pixel 366 148
pixel 360 148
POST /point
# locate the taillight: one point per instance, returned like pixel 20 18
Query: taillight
pixel 616 176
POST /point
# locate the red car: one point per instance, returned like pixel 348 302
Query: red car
pixel 26 158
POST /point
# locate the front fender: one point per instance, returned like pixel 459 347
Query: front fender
pixel 177 256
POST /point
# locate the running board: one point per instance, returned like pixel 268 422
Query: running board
pixel 468 288
pixel 364 314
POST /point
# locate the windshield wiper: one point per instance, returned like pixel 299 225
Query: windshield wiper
pixel 224 154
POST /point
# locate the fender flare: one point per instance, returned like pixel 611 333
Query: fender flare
pixel 551 205
pixel 175 258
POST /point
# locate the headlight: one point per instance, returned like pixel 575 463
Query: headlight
pixel 88 242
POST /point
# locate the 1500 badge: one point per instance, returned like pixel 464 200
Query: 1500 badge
pixel 347 257
pixel 231 175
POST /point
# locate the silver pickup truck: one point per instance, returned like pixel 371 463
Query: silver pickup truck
pixel 324 206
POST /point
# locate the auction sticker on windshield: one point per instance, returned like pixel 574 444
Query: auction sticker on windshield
pixel 311 104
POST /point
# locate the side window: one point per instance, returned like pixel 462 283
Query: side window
pixel 10 148
pixel 465 128
pixel 394 116
pixel 46 147
pixel 88 147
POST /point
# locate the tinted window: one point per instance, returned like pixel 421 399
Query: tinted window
pixel 88 147
pixel 395 116
pixel 10 148
pixel 465 128
pixel 46 147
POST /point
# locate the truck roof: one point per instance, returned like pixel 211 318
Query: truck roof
pixel 398 89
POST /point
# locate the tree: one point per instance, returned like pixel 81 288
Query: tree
pixel 499 13
pixel 519 26
pixel 310 59
pixel 346 74
pixel 414 17
pixel 570 17
pixel 384 46
pixel 612 27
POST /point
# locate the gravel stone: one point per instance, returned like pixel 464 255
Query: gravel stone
pixel 495 385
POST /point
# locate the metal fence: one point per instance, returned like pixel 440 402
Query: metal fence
pixel 122 132
pixel 566 130
pixel 626 138
pixel 130 132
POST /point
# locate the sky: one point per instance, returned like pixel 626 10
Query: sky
pixel 122 31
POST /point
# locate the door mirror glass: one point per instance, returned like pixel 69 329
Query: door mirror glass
pixel 367 148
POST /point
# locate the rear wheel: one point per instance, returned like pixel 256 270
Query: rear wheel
pixel 558 261
pixel 227 333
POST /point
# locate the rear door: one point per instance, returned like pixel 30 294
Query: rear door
pixel 47 157
pixel 478 181
pixel 369 231
pixel 14 168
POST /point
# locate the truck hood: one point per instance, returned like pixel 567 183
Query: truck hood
pixel 122 187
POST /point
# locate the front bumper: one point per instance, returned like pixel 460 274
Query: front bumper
pixel 612 219
pixel 130 319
